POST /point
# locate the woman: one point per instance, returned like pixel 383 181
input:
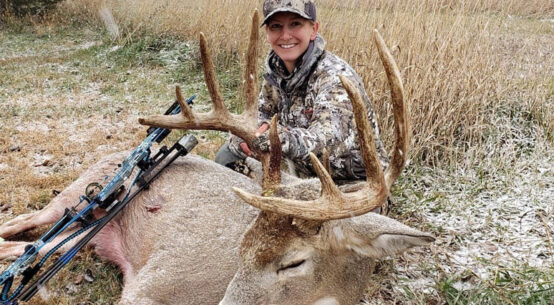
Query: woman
pixel 301 85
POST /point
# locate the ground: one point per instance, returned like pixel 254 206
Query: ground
pixel 70 95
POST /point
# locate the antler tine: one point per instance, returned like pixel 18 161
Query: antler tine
pixel 328 187
pixel 210 77
pixel 185 110
pixel 333 204
pixel 374 173
pixel 401 112
pixel 272 170
pixel 251 89
pixel 325 159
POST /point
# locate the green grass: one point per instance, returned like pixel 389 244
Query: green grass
pixel 523 286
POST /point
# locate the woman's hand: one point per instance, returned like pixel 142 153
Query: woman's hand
pixel 244 147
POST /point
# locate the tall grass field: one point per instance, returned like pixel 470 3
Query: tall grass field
pixel 479 84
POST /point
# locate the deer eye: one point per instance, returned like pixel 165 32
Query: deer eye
pixel 292 265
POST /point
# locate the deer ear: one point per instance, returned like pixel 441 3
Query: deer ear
pixel 392 244
pixel 375 236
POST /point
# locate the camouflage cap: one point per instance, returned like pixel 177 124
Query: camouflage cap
pixel 304 8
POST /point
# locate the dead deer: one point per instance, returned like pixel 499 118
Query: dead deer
pixel 311 243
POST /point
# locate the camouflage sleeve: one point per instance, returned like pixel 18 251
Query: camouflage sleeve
pixel 267 103
pixel 331 126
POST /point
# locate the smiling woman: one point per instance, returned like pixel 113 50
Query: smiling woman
pixel 302 86
pixel 290 35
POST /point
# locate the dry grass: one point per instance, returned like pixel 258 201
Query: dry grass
pixel 462 62
pixel 67 98
pixel 478 76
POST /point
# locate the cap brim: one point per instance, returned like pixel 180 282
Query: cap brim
pixel 285 9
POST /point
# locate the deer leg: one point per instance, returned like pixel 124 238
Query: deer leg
pixel 32 220
pixel 17 248
pixel 65 199
pixel 12 249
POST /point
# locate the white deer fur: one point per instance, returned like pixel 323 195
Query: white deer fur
pixel 178 242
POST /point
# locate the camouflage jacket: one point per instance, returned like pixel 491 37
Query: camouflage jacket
pixel 316 112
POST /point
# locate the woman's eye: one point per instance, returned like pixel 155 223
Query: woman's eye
pixel 291 265
pixel 275 26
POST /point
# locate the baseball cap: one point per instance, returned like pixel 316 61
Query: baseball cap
pixel 304 8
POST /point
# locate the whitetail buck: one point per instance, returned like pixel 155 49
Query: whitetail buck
pixel 180 241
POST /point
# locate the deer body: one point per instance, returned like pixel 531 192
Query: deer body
pixel 188 248
pixel 176 243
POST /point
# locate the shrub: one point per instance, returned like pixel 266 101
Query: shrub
pixel 21 8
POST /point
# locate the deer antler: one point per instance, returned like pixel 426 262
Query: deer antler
pixel 219 118
pixel 333 204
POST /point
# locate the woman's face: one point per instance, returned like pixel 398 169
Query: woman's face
pixel 289 36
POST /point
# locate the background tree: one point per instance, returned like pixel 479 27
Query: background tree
pixel 21 8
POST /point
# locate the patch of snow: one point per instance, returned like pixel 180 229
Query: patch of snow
pixel 88 45
pixel 503 219
pixel 327 301
pixel 33 126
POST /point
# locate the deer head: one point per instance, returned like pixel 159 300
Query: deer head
pixel 313 242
